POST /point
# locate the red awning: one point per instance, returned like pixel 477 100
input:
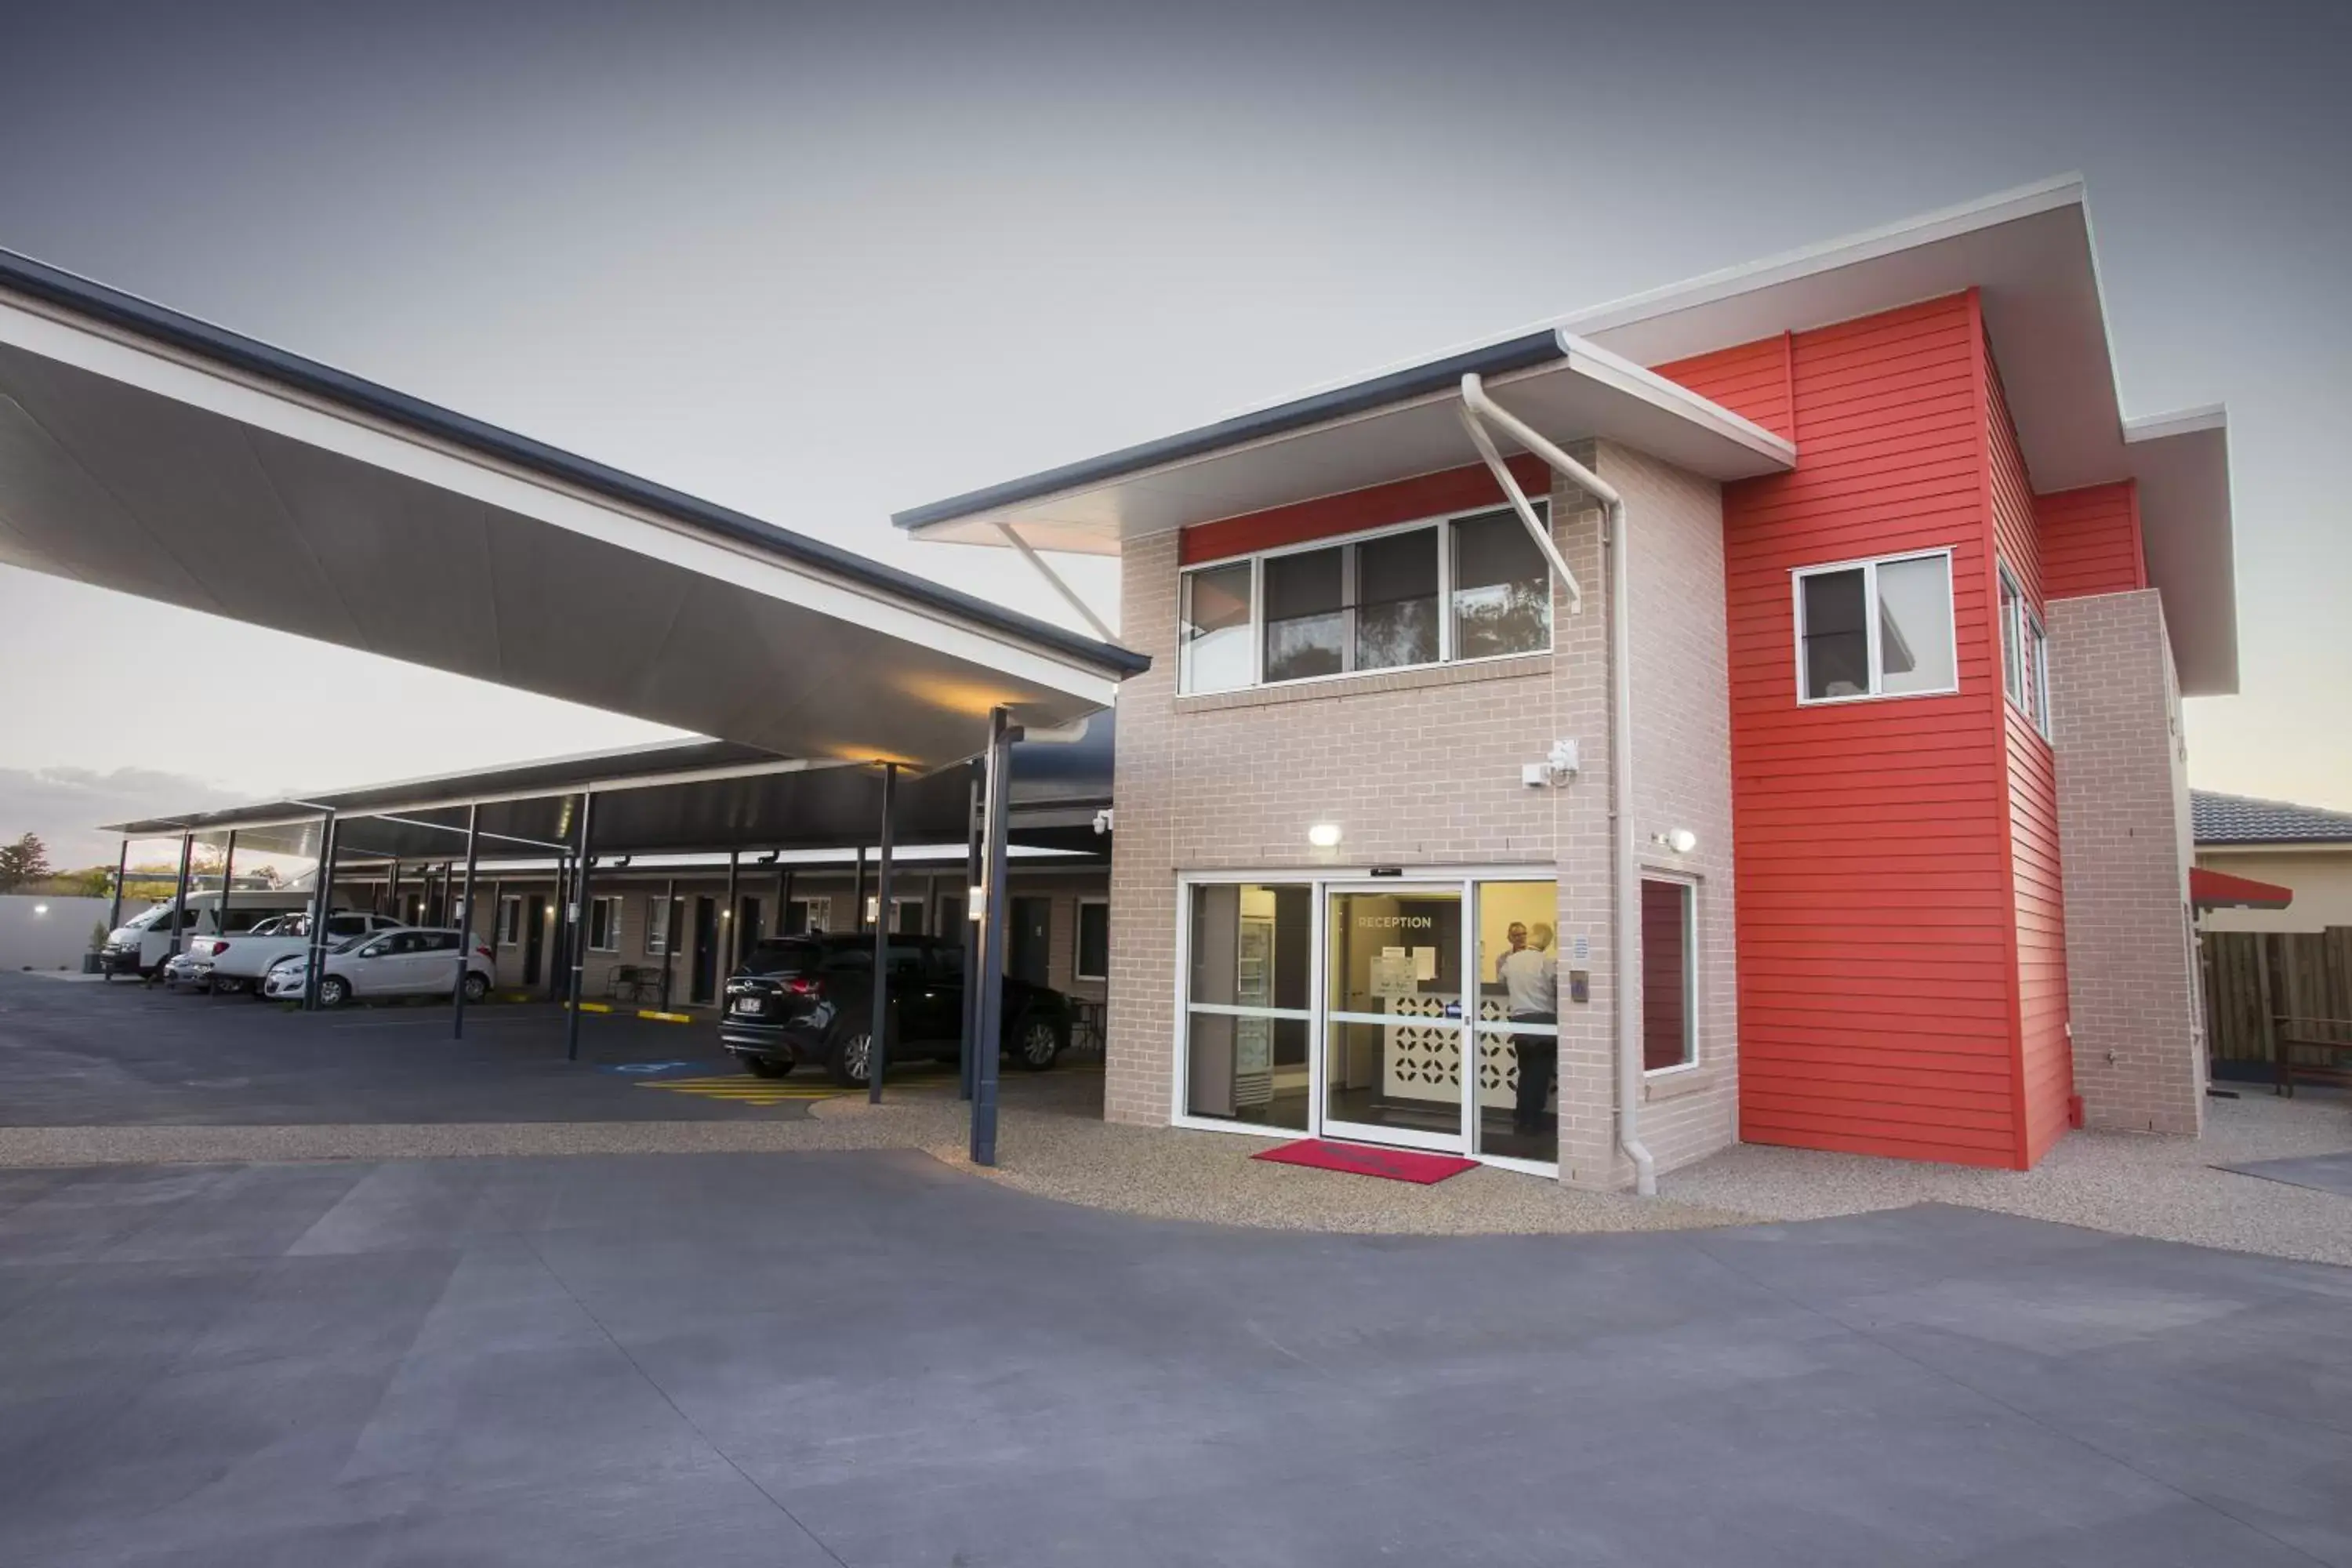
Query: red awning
pixel 2221 890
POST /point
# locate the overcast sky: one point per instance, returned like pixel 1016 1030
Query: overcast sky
pixel 819 266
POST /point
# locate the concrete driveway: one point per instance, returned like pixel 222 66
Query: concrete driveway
pixel 867 1358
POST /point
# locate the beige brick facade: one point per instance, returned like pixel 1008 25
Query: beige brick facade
pixel 2125 845
pixel 1422 770
pixel 1682 774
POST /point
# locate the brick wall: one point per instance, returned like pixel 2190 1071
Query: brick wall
pixel 2124 828
pixel 1420 769
pixel 1682 773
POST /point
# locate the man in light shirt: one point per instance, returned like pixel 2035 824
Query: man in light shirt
pixel 1530 981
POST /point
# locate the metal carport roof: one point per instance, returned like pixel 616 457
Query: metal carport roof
pixel 672 799
pixel 148 452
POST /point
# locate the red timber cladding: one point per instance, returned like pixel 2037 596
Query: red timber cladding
pixel 1405 500
pixel 2091 541
pixel 1872 839
pixel 1754 381
pixel 2045 1059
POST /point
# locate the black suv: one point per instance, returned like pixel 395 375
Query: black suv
pixel 809 998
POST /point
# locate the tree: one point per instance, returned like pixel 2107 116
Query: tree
pixel 25 860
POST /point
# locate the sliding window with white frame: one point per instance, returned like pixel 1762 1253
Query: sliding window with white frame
pixel 1875 628
pixel 1444 590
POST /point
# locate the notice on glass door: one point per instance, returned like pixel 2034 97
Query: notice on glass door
pixel 1393 973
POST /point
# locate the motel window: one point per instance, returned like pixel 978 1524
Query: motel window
pixel 2024 655
pixel 1093 959
pixel 1431 593
pixel 604 924
pixel 510 922
pixel 1876 628
pixel 1669 975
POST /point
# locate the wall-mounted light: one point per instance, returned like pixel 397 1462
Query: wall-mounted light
pixel 40 908
pixel 1324 836
pixel 1680 840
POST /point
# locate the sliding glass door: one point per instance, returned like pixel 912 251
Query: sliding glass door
pixel 1392 1026
pixel 1422 1014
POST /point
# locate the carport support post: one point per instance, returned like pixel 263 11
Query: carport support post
pixel 391 893
pixel 857 899
pixel 464 923
pixel 988 1038
pixel 121 870
pixel 578 948
pixel 879 1024
pixel 179 897
pixel 228 881
pixel 323 902
pixel 669 937
pixel 969 935
pixel 730 945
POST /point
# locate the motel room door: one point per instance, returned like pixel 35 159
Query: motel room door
pixel 1392 1045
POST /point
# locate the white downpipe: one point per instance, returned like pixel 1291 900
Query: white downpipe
pixel 1473 404
pixel 1625 883
pixel 1069 595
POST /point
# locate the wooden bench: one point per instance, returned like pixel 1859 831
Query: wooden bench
pixel 2332 1036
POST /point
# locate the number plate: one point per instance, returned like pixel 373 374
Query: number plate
pixel 750 1004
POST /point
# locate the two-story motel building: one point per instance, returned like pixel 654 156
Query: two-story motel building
pixel 1796 758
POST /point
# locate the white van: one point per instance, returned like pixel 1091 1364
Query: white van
pixel 140 946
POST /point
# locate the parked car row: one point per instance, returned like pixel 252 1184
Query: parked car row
pixel 811 998
pixel 368 955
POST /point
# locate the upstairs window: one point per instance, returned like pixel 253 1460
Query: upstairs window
pixel 1876 628
pixel 2024 655
pixel 1433 592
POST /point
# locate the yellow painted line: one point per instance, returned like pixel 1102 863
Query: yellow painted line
pixel 590 1006
pixel 661 1017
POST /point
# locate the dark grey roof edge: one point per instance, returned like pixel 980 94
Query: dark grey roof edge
pixel 1315 408
pixel 91 297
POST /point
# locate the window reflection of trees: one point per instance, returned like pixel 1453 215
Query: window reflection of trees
pixel 1502 618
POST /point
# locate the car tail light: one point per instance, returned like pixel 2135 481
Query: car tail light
pixel 804 986
pixel 485 953
pixel 219 948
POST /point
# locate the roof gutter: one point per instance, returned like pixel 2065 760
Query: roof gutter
pixel 1624 942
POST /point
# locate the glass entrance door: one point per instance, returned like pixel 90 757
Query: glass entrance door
pixel 1394 1027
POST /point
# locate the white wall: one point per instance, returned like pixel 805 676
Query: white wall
pixel 39 931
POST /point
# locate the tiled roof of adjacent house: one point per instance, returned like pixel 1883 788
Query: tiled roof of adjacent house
pixel 2242 819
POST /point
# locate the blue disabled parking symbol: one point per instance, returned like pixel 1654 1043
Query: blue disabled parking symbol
pixel 647 1067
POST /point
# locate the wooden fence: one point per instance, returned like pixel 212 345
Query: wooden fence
pixel 2254 977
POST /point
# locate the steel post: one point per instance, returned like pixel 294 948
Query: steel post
pixel 179 902
pixel 228 884
pixel 121 871
pixel 464 923
pixel 731 946
pixel 879 1024
pixel 988 1041
pixel 323 904
pixel 970 938
pixel 578 949
pixel 669 937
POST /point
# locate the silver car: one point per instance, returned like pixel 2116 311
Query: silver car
pixel 412 962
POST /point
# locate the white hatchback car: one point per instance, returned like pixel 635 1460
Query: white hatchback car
pixel 406 962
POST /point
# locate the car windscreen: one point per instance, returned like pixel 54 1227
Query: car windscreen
pixel 348 942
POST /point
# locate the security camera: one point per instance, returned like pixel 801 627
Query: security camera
pixel 1102 820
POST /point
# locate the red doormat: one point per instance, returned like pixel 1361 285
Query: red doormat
pixel 1395 1165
